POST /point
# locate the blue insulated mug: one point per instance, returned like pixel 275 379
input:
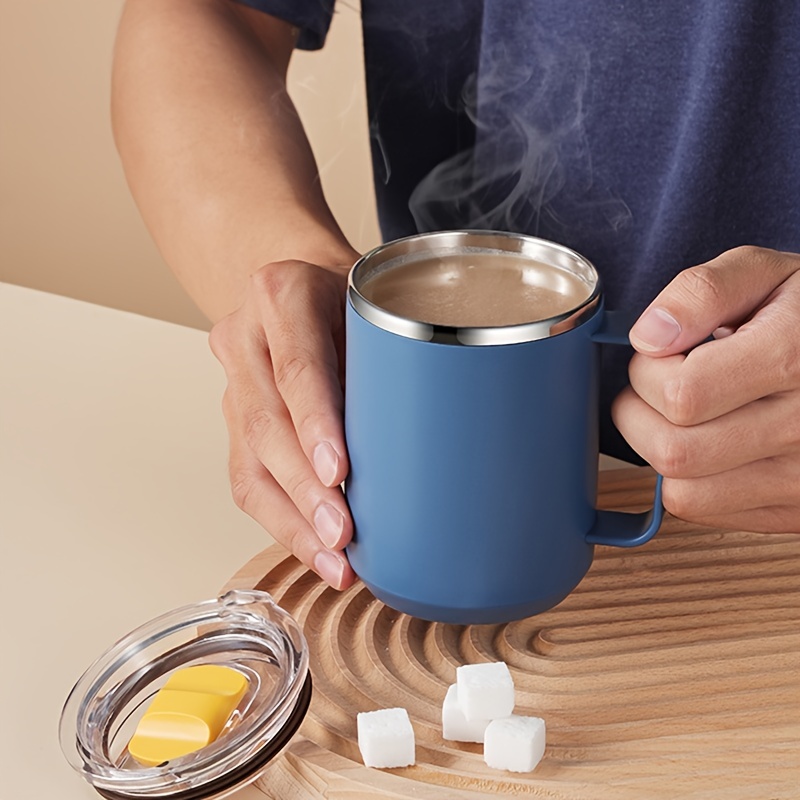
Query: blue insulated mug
pixel 473 450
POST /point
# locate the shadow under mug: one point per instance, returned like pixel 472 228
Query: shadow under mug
pixel 474 451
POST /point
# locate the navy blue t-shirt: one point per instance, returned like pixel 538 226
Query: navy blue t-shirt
pixel 647 136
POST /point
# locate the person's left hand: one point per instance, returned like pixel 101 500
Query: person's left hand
pixel 721 423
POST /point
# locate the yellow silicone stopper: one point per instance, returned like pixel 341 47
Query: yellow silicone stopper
pixel 188 713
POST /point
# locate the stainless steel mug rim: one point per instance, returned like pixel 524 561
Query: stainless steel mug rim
pixel 465 241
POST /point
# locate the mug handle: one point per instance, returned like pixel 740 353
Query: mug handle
pixel 619 528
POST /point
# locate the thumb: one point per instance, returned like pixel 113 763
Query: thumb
pixel 721 292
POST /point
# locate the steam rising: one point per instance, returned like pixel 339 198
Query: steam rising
pixel 530 168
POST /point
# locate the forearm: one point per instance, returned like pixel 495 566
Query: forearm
pixel 213 150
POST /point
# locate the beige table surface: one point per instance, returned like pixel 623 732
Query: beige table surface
pixel 114 505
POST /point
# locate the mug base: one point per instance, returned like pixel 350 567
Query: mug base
pixel 492 615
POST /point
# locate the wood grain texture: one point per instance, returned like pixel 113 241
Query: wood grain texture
pixel 672 671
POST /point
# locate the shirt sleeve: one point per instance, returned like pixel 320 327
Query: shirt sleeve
pixel 312 17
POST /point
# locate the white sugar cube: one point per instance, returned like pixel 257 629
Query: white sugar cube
pixel 455 726
pixel 515 743
pixel 385 738
pixel 485 691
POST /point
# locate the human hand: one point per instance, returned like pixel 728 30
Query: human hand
pixel 721 423
pixel 283 354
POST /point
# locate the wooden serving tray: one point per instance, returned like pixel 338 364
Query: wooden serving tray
pixel 672 671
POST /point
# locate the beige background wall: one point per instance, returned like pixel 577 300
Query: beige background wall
pixel 67 222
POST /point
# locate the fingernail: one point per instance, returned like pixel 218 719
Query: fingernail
pixel 326 462
pixel 329 524
pixel 655 330
pixel 330 568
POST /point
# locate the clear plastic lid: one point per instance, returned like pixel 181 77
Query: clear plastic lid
pixel 242 630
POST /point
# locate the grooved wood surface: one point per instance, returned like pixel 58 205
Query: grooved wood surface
pixel 672 671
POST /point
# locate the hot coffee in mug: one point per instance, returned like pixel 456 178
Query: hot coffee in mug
pixel 475 290
pixel 471 425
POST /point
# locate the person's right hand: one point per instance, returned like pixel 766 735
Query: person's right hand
pixel 283 354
